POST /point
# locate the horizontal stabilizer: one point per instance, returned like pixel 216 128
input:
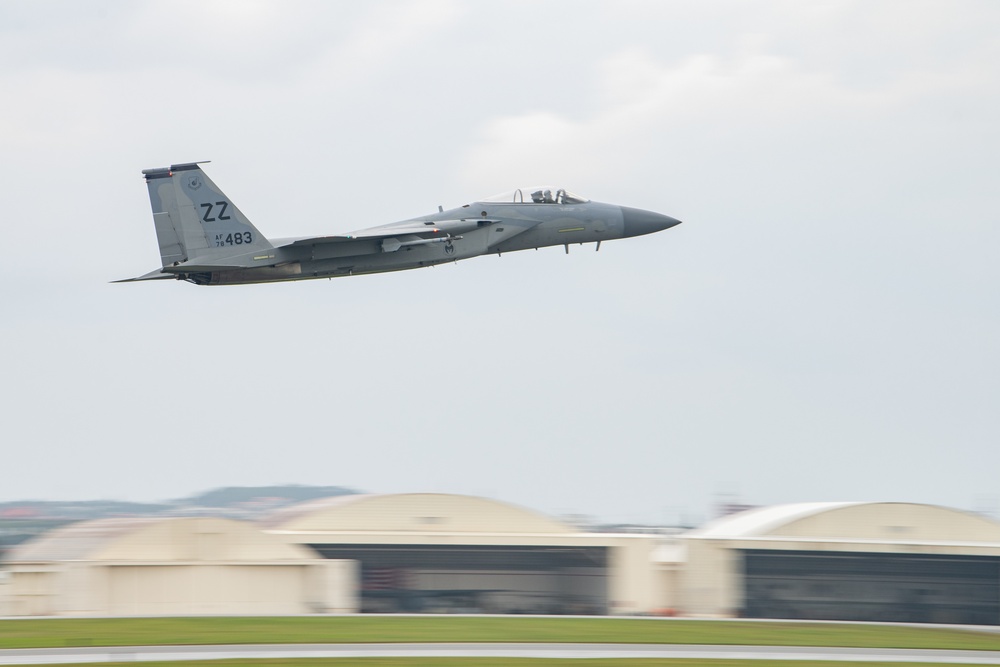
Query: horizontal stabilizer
pixel 155 274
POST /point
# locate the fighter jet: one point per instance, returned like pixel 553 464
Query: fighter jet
pixel 206 240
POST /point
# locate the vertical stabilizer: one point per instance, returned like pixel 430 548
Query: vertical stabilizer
pixel 194 219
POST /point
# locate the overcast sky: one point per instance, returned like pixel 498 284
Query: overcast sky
pixel 823 326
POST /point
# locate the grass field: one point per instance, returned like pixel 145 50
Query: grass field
pixel 503 662
pixel 47 633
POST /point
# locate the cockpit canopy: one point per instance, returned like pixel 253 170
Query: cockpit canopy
pixel 539 194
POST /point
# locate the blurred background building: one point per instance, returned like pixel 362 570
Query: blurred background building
pixel 845 561
pixel 442 553
pixel 167 566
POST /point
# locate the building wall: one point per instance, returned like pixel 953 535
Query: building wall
pixel 668 588
pixel 332 587
pixel 206 589
pixel 173 566
pixel 631 582
pixel 127 589
pixel 33 590
pixel 710 581
pixel 84 589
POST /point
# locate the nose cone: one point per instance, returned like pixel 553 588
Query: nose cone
pixel 639 222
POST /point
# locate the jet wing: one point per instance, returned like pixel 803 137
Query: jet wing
pixel 428 230
pixel 367 234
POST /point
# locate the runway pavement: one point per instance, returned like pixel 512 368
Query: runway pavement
pixel 71 655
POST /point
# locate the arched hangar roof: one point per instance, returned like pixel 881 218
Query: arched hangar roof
pixel 413 512
pixel 157 539
pixel 854 520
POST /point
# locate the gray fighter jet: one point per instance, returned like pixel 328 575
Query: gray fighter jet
pixel 206 240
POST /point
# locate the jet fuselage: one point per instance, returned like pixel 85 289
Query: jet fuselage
pixel 205 239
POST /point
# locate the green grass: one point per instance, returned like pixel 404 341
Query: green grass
pixel 503 662
pixel 47 633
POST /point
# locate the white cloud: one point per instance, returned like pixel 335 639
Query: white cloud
pixel 752 98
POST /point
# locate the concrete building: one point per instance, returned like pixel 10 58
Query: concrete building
pixel 441 552
pixel 844 561
pixel 175 566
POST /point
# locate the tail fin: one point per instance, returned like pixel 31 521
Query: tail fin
pixel 194 219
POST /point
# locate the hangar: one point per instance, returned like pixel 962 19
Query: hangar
pixel 451 553
pixel 161 566
pixel 845 561
pixel 443 552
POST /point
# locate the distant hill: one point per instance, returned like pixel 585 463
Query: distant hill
pixel 283 495
pixel 77 509
pixel 21 520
